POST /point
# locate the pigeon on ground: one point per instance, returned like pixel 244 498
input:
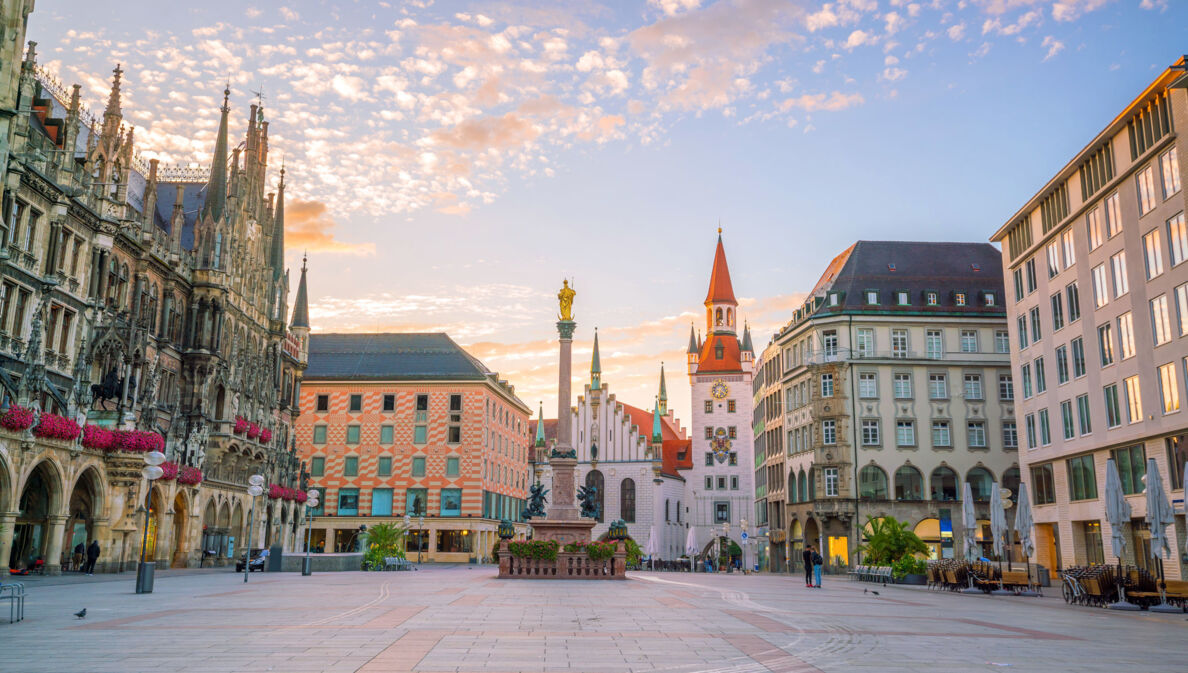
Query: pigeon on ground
pixel 874 592
pixel 865 590
pixel 81 614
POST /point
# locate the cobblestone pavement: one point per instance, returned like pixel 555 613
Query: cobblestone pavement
pixel 461 618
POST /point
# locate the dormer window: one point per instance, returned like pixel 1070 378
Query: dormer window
pixel 872 297
pixel 959 299
pixel 903 297
pixel 833 299
pixel 990 299
pixel 719 351
pixel 931 298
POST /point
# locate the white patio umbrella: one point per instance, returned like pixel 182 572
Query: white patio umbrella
pixel 1118 515
pixel 691 548
pixel 1023 525
pixel 650 548
pixel 969 532
pixel 1159 517
pixel 998 529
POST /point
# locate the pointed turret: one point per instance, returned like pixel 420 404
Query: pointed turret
pixel 663 393
pixel 657 433
pixel 301 303
pixel 721 291
pixel 746 340
pixel 540 436
pixel 216 188
pixel 278 231
pixel 692 340
pixel 595 366
pixel 113 98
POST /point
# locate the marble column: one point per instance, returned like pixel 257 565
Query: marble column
pixel 564 400
pixel 7 530
pixel 53 547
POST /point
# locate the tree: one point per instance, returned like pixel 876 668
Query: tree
pixel 384 540
pixel 888 540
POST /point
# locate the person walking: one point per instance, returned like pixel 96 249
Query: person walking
pixel 92 557
pixel 80 554
pixel 817 563
pixel 807 556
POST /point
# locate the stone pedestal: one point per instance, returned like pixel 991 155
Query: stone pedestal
pixel 563 507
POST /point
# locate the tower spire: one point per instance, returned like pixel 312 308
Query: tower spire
pixel 595 366
pixel 113 98
pixel 663 393
pixel 216 189
pixel 278 230
pixel 540 436
pixel 721 291
pixel 692 340
pixel 301 303
pixel 657 435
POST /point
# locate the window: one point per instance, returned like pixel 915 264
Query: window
pixel 1131 462
pixel 872 297
pixel 1031 435
pixel 1066 419
pixel 1113 215
pixel 938 387
pixel 319 434
pixel 732 431
pixel 1182 308
pixel 940 434
pixel 1029 267
pixel 1045 428
pixel 1113 411
pixel 1006 388
pixel 317 466
pixel 831 482
pixel 1002 341
pixel 709 432
pixel 872 483
pixel 1043 484
pixel 1170 166
pixel 980 484
pixel 734 482
pixel 905 433
pixel 934 345
pixel 1010 435
pixel 1078 357
pixel 1105 344
pixel 1101 294
pixel 356 403
pixel 973 387
pixel 1082 481
pixel 944 484
pixel 909 484
pixel 384 466
pixel 829 432
pixel 1036 332
pixel 868 385
pixel 870 433
pixel 1018 278
pixel 420 433
pixel 1074 302
pixel 1083 419
pixel 709 458
pixel 418 466
pixel 732 407
pixel 1161 328
pixel 931 298
pixel 709 481
pixel 323 403
pixel 903 298
pixel 1153 253
pixel 386 434
pixel 1053 259
pixel 865 338
pixel 389 403
pixel 721 512
pixel 902 386
pixel 1177 236
pixel 1061 364
pixel 1146 189
pixel 1057 312
pixel 827 385
pixel 969 341
pixel 1093 224
pixel 709 406
pixel 1134 399
pixel 1126 334
pixel 350 466
pixel 1177 457
pixel 348 502
pixel 899 343
pixel 1169 388
pixel 959 298
pixel 1021 322
pixel 1025 377
pixel 1066 245
pixel 451 502
pixel 454 434
pixel 990 299
pixel 1041 378
pixel 416 501
pixel 975 434
pixel 1118 264
pixel 627 500
pixel 452 463
pixel 829 343
pixel 381 502
pixel 352 434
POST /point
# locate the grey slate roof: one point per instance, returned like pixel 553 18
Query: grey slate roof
pixel 390 357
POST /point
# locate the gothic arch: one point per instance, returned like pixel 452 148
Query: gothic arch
pixel 7 478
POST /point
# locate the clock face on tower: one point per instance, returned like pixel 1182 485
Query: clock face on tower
pixel 719 390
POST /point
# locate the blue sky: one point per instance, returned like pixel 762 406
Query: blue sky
pixel 450 162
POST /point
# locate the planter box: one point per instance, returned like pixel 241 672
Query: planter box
pixel 913 579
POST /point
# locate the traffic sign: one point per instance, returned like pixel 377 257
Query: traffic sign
pixel 744 536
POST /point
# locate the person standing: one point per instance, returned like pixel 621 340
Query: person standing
pixel 817 563
pixel 807 556
pixel 80 554
pixel 92 557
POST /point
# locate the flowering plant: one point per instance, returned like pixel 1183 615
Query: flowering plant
pixel 265 436
pixel 17 419
pixel 544 550
pixel 253 431
pixel 97 438
pixel 278 492
pixel 190 476
pixel 595 551
pixel 169 471
pixel 241 425
pixel 53 426
pixel 137 441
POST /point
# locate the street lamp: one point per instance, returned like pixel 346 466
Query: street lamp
pixel 311 502
pixel 151 472
pixel 255 488
pixel 420 536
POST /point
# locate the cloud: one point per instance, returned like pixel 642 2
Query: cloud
pixel 828 102
pixel 308 226
pixel 956 32
pixel 1053 46
pixel 1071 10
pixel 671 7
pixel 859 38
pixel 509 130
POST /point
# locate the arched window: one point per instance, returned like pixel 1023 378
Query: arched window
pixel 812 484
pixel 729 316
pixel 980 483
pixel 718 318
pixel 594 478
pixel 627 500
pixel 872 483
pixel 909 484
pixel 802 488
pixel 1010 479
pixel 944 484
pixel 678 511
pixel 666 519
pixel 792 486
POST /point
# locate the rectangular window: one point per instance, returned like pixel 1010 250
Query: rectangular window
pixel 973 387
pixel 451 502
pixel 975 434
pixel 931 298
pixel 1021 323
pixel 969 341
pixel 831 482
pixel 870 433
pixel 1073 295
pixel 732 406
pixel 1041 376
pixel 1030 422
pixel 352 434
pixel 1010 435
pixel 732 432
pixel 1126 334
pixel 348 502
pixel 1057 312
pixel 350 466
pixel 940 434
pixel 1113 215
pixel 1169 388
pixel 1146 189
pixel 903 386
pixel 1002 341
pixel 1131 462
pixel 938 387
pixel 1105 344
pixel 721 512
pixel 1170 166
pixel 1053 259
pixel 1118 265
pixel 454 434
pixel 317 466
pixel 1177 236
pixel 1161 328
pixel 452 466
pixel 1066 246
pixel 1036 332
pixel 903 298
pixel 709 432
pixel 1066 419
pixel 384 466
pixel 1153 253
pixel 1083 419
pixel 416 501
pixel 905 433
pixel 1018 278
pixel 1082 480
pixel 323 403
pixel 1113 411
pixel 1006 388
pixel 934 345
pixel 381 502
pixel 1134 399
pixel 1043 484
pixel 356 402
pixel 709 459
pixel 387 434
pixel 389 403
pixel 829 343
pixel 1025 377
pixel 829 432
pixel 1177 458
pixel 1029 267
pixel 319 434
pixel 1061 364
pixel 418 466
pixel 1101 293
pixel 872 297
pixel 1078 357
pixel 1045 428
pixel 865 339
pixel 1093 224
pixel 868 385
pixel 709 481
pixel 827 385
pixel 1182 308
pixel 420 433
pixel 899 343
pixel 709 406
pixel 422 402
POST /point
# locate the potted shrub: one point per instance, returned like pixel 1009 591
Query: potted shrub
pixel 910 570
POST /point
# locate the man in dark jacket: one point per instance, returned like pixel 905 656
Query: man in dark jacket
pixel 80 555
pixel 807 555
pixel 92 556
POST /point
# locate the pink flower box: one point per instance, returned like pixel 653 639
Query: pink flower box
pixel 137 441
pixel 241 425
pixel 253 431
pixel 265 436
pixel 189 476
pixel 53 426
pixel 169 471
pixel 17 419
pixel 97 438
pixel 278 492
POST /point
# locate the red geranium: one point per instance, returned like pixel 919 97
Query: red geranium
pixel 169 470
pixel 97 438
pixel 53 426
pixel 241 425
pixel 253 431
pixel 265 436
pixel 138 441
pixel 190 476
pixel 17 419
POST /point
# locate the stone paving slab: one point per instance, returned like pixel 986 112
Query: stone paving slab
pixel 462 620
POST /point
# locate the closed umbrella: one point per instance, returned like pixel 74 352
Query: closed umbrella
pixel 691 548
pixel 1023 526
pixel 650 548
pixel 969 525
pixel 998 531
pixel 1118 514
pixel 1159 517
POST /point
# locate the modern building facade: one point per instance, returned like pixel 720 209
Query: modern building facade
pixel 411 425
pixel 147 299
pixel 771 486
pixel 1098 309
pixel 896 388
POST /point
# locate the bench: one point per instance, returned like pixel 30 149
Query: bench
pixel 872 573
pixel 1015 578
pixel 14 593
pixel 394 563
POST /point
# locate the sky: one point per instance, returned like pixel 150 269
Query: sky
pixel 449 163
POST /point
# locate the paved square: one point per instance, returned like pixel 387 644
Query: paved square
pixel 463 619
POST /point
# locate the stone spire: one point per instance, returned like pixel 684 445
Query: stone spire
pixel 278 231
pixel 663 393
pixel 301 303
pixel 540 434
pixel 216 188
pixel 595 366
pixel 113 98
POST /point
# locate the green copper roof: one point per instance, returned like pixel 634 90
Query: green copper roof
pixel 540 437
pixel 657 436
pixel 595 365
pixel 692 340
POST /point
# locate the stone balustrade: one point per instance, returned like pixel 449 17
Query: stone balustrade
pixel 567 565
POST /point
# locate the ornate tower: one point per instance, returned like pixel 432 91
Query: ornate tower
pixel 300 324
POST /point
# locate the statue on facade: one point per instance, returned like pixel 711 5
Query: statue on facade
pixel 108 388
pixel 588 496
pixel 537 499
pixel 565 297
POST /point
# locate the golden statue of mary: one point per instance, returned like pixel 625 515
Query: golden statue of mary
pixel 565 297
